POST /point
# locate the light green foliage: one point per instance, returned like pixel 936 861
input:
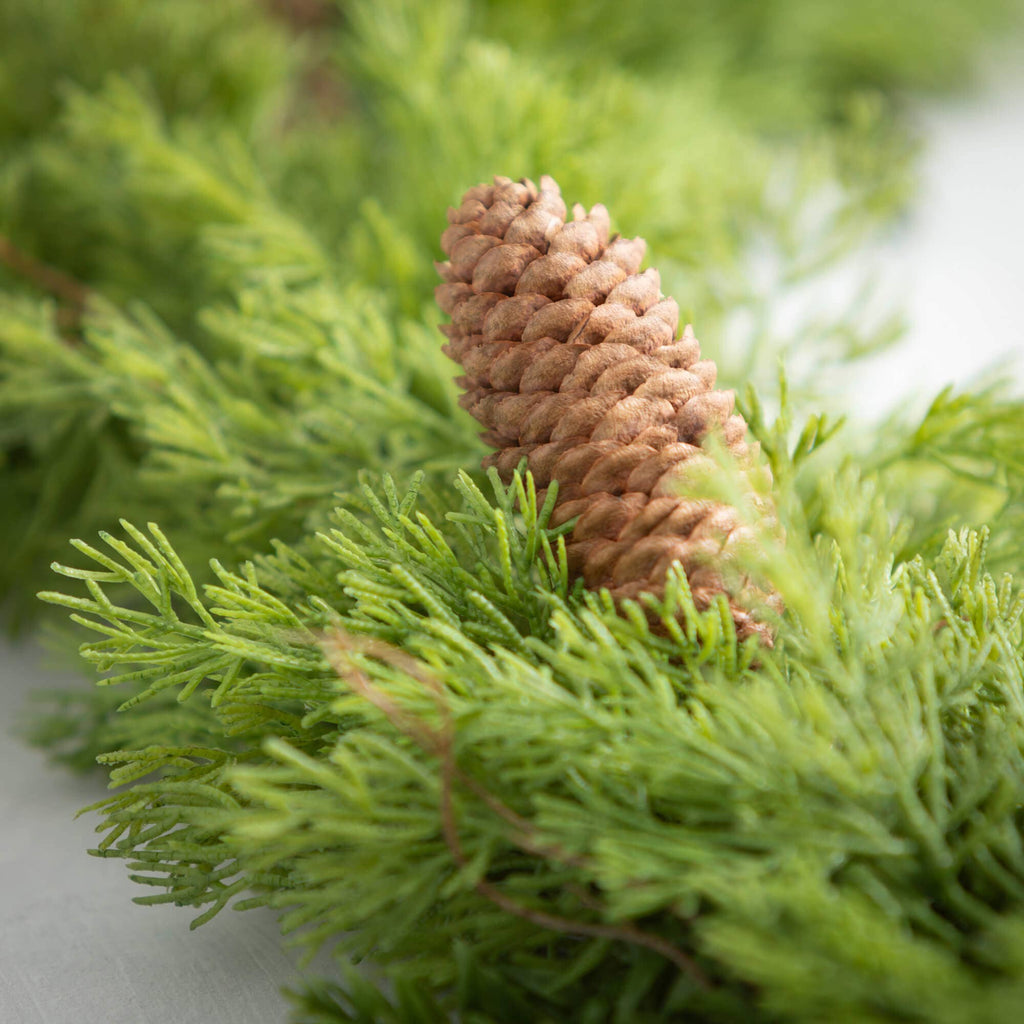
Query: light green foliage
pixel 733 800
pixel 297 391
pixel 347 675
pixel 962 461
pixel 825 49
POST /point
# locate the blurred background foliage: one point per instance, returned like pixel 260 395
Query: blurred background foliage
pixel 192 156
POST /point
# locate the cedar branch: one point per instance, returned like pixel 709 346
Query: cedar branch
pixel 440 743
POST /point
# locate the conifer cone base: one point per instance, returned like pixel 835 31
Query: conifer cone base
pixel 572 361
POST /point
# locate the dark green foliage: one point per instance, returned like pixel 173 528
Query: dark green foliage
pixel 347 675
pixel 195 56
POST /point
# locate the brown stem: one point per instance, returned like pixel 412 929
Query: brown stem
pixel 303 15
pixel 339 647
pixel 49 279
pixel 553 922
pixel 440 743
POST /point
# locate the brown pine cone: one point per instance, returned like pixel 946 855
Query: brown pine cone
pixel 572 362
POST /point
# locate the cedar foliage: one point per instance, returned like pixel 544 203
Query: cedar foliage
pixel 345 673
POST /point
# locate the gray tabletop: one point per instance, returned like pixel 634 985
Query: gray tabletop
pixel 72 945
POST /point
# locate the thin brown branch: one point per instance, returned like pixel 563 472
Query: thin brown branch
pixel 552 922
pixel 60 285
pixel 339 648
pixel 304 15
pixel 616 933
pixel 318 93
pixel 441 744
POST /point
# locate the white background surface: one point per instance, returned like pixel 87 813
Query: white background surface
pixel 73 948
pixel 960 255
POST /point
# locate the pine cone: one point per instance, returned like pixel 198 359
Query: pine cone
pixel 572 361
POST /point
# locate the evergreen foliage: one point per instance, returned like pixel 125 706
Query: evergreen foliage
pixel 344 673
